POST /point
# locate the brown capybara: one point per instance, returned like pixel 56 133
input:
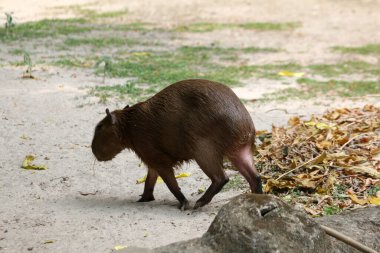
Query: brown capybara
pixel 194 119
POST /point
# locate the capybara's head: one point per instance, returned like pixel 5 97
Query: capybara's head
pixel 106 143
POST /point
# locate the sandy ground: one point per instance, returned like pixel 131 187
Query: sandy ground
pixel 43 211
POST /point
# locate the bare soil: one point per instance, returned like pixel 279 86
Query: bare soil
pixel 44 211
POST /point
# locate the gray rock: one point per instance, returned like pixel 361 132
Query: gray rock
pixel 257 223
pixel 362 224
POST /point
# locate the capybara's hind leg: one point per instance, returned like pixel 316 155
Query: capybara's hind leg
pixel 167 175
pixel 243 161
pixel 212 166
pixel 150 182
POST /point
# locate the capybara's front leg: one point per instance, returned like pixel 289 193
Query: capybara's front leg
pixel 150 182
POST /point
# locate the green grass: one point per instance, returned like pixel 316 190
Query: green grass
pixel 64 27
pixel 129 88
pixel 16 51
pixel 236 183
pixel 260 26
pixel 164 68
pixel 45 28
pixel 331 210
pixel 100 42
pixel 310 88
pixel 372 190
pixel 345 68
pixel 74 62
pixel 367 49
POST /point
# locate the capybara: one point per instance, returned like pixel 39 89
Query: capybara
pixel 193 119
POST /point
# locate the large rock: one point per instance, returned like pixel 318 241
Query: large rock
pixel 264 223
pixel 257 223
pixel 362 224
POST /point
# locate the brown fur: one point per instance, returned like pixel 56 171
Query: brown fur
pixel 191 119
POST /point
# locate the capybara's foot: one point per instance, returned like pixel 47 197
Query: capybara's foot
pixel 184 205
pixel 146 198
pixel 200 203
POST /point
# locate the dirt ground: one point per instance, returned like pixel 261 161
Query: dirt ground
pixel 43 211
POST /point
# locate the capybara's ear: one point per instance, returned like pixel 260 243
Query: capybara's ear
pixel 127 106
pixel 112 116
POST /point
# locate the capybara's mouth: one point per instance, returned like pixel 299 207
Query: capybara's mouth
pixel 103 159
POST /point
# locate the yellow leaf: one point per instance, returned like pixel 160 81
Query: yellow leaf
pixel 159 179
pixel 27 164
pixel 141 54
pixel 310 123
pixel 184 174
pixel 289 73
pixel 374 200
pixel 356 200
pixel 322 126
pixel 120 247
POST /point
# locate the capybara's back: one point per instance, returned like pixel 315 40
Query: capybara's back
pixel 193 115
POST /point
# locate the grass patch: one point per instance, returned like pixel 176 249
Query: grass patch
pixel 164 68
pixel 331 210
pixel 310 88
pixel 236 183
pixel 100 43
pixel 44 28
pixel 16 51
pixel 349 67
pixel 129 88
pixel 367 49
pixel 260 26
pixel 74 62
pixel 55 27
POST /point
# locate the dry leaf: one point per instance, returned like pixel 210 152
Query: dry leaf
pixel 288 73
pixel 374 200
pixel 159 179
pixel 356 200
pixel 120 247
pixel 27 164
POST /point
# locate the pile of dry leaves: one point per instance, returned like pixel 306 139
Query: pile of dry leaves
pixel 328 163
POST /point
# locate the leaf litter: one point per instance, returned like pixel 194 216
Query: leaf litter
pixel 326 164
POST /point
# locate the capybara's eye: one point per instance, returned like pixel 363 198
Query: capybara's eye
pixel 98 127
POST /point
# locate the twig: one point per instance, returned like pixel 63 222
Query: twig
pixel 278 109
pixel 304 164
pixel 353 138
pixel 348 240
pixel 88 193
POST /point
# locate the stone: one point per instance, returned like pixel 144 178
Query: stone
pixel 257 223
pixel 363 225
